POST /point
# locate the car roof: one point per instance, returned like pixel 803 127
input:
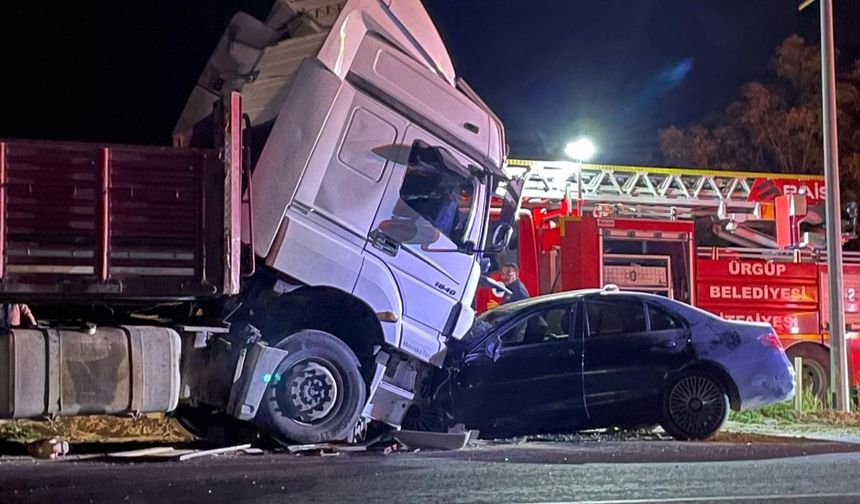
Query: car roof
pixel 577 294
pixel 549 298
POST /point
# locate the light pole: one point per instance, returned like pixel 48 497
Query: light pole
pixel 580 150
pixel 839 384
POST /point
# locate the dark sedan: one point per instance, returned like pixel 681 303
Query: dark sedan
pixel 599 358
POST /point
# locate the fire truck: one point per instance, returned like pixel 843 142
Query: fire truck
pixel 742 245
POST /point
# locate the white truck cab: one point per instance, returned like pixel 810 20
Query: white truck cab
pixel 375 178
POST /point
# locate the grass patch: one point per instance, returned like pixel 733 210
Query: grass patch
pixel 814 412
pixel 94 429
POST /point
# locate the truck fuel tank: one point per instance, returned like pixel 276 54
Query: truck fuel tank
pixel 106 370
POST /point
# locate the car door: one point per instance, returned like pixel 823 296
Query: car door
pixel 526 377
pixel 625 363
pixel 431 207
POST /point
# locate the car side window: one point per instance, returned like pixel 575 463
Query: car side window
pixel 607 317
pixel 661 320
pixel 549 325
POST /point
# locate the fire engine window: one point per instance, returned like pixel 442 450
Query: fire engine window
pixel 616 316
pixel 549 325
pixel 662 321
pixel 434 188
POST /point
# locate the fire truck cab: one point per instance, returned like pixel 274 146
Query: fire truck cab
pixel 745 246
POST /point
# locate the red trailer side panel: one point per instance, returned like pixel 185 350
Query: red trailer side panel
pixel 110 221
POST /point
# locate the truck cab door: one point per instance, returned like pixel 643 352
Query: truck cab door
pixel 433 205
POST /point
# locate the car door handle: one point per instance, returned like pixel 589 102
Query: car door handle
pixel 665 344
pixel 571 352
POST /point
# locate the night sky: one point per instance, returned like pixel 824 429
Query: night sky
pixel 618 70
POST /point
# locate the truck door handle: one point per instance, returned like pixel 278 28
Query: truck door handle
pixel 666 344
pixel 383 242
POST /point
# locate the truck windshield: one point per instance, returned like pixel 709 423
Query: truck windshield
pixel 440 190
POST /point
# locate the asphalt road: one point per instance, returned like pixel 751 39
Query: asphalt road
pixel 599 472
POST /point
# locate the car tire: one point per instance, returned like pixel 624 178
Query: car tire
pixel 816 367
pixel 316 393
pixel 695 405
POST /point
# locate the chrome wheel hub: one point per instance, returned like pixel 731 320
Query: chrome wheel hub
pixel 313 391
pixel 696 405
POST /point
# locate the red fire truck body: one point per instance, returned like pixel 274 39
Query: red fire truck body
pixel 703 237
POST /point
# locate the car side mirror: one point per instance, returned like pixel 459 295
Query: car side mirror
pixel 494 348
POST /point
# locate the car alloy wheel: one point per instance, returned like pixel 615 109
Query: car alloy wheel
pixel 695 406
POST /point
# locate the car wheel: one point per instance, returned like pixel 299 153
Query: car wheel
pixel 816 367
pixel 316 393
pixel 695 405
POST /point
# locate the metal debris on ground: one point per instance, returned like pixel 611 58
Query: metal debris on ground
pixel 171 453
pixel 338 447
pixel 434 440
pixel 394 441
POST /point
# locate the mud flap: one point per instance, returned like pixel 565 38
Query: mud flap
pixel 254 372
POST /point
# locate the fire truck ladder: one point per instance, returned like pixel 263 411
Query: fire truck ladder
pixel 629 185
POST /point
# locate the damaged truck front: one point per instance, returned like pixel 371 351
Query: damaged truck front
pixel 297 260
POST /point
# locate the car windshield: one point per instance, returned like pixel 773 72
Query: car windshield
pixel 490 319
pixel 499 315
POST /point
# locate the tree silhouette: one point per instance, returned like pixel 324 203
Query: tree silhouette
pixel 776 126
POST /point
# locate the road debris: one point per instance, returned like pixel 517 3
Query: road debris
pixel 171 453
pixel 49 448
pixel 391 449
pixel 434 440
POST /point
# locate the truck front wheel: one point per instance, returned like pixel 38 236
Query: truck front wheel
pixel 316 393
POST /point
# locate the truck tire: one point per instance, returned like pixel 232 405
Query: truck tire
pixel 316 393
pixel 816 367
pixel 695 405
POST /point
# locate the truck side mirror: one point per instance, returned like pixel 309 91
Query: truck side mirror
pixel 501 237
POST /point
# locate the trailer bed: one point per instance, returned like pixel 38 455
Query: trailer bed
pixel 104 221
